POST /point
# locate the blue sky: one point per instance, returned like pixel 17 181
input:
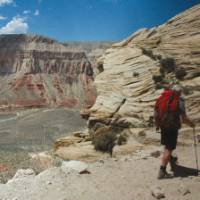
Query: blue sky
pixel 86 20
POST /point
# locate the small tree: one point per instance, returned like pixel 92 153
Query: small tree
pixel 105 142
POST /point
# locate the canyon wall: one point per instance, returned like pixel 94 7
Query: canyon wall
pixel 36 71
pixel 135 71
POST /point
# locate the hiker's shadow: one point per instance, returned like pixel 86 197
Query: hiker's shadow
pixel 181 171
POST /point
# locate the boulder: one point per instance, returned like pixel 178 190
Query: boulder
pixel 23 173
pixel 73 165
pixel 157 192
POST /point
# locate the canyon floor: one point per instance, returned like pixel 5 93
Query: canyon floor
pixel 25 133
pixel 125 177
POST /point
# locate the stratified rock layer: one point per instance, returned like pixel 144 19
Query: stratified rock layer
pixel 36 71
pixel 135 70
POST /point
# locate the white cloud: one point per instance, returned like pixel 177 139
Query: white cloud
pixel 26 12
pixel 37 12
pixel 6 2
pixel 2 17
pixel 16 25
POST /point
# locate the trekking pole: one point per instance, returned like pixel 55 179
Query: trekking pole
pixel 195 151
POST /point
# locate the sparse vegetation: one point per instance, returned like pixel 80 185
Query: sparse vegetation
pixel 162 71
pixel 105 141
pixel 187 90
pixel 167 65
pixel 157 78
pixel 151 121
pixel 180 73
pixel 100 67
pixel 105 138
pixel 195 74
pixel 149 53
pixel 135 74
pixel 159 57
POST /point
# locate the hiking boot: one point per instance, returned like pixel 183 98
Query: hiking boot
pixel 163 174
pixel 173 162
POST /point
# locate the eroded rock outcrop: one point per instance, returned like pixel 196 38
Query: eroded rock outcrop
pixel 36 71
pixel 93 51
pixel 136 69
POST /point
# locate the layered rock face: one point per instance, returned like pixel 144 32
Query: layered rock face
pixel 36 71
pixel 135 70
pixel 93 51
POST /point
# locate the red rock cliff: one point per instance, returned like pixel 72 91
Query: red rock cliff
pixel 36 71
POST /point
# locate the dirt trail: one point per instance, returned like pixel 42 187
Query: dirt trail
pixel 123 178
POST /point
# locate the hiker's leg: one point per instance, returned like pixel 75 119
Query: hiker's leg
pixel 166 157
pixel 165 160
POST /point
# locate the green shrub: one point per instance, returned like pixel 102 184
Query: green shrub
pixel 159 57
pixel 162 71
pixel 187 90
pixel 157 78
pixel 100 67
pixel 168 64
pixel 135 74
pixel 104 140
pixel 180 73
pixel 151 121
pixel 149 53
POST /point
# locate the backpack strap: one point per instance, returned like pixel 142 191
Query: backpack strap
pixel 170 101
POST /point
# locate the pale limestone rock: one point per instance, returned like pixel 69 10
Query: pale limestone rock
pixel 22 173
pixel 157 192
pixel 74 165
pixel 126 91
pixel 83 151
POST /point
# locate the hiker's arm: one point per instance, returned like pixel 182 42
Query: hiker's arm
pixel 184 117
pixel 187 121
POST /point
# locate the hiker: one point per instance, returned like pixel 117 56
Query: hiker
pixel 169 113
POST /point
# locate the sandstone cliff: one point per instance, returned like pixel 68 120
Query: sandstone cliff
pixel 135 70
pixel 93 51
pixel 36 71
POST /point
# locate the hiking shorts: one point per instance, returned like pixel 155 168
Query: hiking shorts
pixel 169 138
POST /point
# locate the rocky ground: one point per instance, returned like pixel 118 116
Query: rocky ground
pixel 124 177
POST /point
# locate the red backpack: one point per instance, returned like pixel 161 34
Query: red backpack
pixel 167 110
